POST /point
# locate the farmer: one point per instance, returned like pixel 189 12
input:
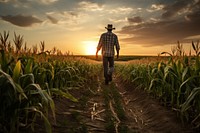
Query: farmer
pixel 107 42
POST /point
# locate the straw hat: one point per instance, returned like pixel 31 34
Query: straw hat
pixel 110 27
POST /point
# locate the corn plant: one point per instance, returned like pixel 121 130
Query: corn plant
pixel 19 96
pixel 53 51
pixel 18 41
pixel 5 61
pixel 30 81
pixel 196 48
pixel 34 49
pixel 175 83
pixel 4 40
pixel 42 46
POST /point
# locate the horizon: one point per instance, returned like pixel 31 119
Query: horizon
pixel 143 27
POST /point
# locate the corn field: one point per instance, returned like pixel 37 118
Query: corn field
pixel 176 82
pixel 30 79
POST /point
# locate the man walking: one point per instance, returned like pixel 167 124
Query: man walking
pixel 107 42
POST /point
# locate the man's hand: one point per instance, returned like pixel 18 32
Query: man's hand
pixel 117 54
pixel 97 55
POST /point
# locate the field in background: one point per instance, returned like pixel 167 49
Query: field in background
pixel 121 57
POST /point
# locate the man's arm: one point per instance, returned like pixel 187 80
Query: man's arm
pixel 117 54
pixel 99 45
pixel 117 47
pixel 97 53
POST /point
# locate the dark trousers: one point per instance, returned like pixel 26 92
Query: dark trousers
pixel 108 66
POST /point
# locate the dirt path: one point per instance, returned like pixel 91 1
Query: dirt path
pixel 113 108
pixel 142 113
pixel 146 114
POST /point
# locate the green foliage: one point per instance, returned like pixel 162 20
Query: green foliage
pixel 16 71
pixel 28 85
pixel 175 83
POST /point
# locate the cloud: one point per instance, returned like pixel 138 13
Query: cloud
pixel 194 16
pixel 195 37
pixel 52 19
pixel 48 1
pixel 90 6
pixel 71 14
pixel 156 7
pixel 137 19
pixel 176 8
pixel 194 13
pixel 165 30
pixel 21 20
pixel 121 10
pixel 69 20
pixel 118 20
pixel 4 1
pixel 162 32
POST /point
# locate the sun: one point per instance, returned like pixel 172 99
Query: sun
pixel 90 47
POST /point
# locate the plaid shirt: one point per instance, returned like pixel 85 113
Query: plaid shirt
pixel 107 42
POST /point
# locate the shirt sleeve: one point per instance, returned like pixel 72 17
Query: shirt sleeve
pixel 117 44
pixel 100 43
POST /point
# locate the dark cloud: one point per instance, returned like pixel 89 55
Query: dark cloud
pixel 52 19
pixel 135 20
pixel 4 1
pixel 21 20
pixel 173 9
pixel 163 32
pixel 194 16
pixel 166 31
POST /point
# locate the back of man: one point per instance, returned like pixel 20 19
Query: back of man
pixel 107 42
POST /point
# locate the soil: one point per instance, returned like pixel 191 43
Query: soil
pixel 143 114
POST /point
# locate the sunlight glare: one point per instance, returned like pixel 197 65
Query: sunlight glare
pixel 90 47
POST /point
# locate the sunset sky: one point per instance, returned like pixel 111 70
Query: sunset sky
pixel 144 27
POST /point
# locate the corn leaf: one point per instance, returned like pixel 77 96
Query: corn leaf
pixel 46 121
pixel 187 80
pixel 21 91
pixel 64 94
pixel 16 71
pixel 29 66
pixel 51 103
pixel 153 81
pixel 193 46
pixel 38 90
pixel 7 77
pixel 26 79
pixel 193 94
pixel 184 73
